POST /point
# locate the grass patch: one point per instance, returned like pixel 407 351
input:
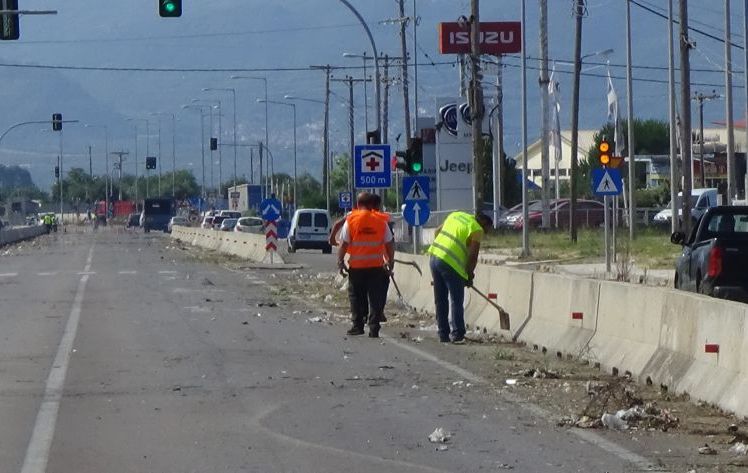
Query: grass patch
pixel 504 355
pixel 651 248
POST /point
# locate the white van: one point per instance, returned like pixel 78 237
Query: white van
pixel 701 200
pixel 310 229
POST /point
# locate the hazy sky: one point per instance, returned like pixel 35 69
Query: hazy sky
pixel 265 38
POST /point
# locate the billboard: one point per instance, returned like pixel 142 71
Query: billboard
pixel 496 37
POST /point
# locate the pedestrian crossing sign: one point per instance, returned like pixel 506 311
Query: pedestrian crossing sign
pixel 606 181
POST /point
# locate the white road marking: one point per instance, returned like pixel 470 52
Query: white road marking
pixel 586 435
pixel 127 272
pixel 8 275
pixel 167 272
pixel 86 273
pixel 47 273
pixel 37 453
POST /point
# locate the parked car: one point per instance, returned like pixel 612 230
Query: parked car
pixel 177 221
pixel 217 220
pixel 509 218
pixel 701 200
pixel 133 220
pixel 715 255
pixel 310 229
pixel 207 222
pixel 230 214
pixel 588 213
pixel 249 225
pixel 228 224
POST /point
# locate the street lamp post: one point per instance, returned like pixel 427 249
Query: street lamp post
pixel 107 184
pixel 292 105
pixel 202 147
pixel 173 150
pixel 233 95
pixel 270 161
pixel 147 151
pixel 364 57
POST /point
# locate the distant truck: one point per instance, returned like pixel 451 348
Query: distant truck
pixel 157 213
pixel 715 255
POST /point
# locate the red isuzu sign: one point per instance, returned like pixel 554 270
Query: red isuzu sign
pixel 496 37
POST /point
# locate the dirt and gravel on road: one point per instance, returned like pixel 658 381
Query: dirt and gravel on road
pixel 673 431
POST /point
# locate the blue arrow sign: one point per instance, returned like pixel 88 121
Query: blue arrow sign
pixel 416 213
pixel 606 181
pixel 416 189
pixel 372 167
pixel 345 200
pixel 271 209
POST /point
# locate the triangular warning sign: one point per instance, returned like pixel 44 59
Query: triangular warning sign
pixel 607 185
pixel 416 192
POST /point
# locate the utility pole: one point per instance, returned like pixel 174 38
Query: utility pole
pixel 685 116
pixel 404 49
pixel 745 76
pixel 674 184
pixel 543 83
pixel 386 104
pixel 476 107
pixel 415 62
pixel 351 124
pixel 731 189
pixel 631 148
pixel 579 12
pixel 326 138
pixel 525 212
pixel 498 160
pixel 701 98
pixel 159 157
pixel 120 155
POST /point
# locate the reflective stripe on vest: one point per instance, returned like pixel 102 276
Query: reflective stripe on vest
pixel 450 245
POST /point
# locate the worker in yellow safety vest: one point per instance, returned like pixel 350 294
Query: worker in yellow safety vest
pixel 454 255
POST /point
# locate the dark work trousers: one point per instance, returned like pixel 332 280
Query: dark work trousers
pixel 449 296
pixel 367 291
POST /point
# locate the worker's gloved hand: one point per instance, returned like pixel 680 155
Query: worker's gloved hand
pixel 469 283
pixel 390 268
pixel 342 268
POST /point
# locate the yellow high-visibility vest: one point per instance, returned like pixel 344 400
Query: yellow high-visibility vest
pixel 450 245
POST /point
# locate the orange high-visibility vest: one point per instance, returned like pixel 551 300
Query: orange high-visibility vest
pixel 366 249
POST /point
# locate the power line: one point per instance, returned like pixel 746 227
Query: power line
pixel 691 28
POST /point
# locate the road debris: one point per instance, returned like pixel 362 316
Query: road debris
pixel 439 435
pixel 511 382
pixel 707 450
pixel 739 449
pixel 314 320
pixel 267 304
pixel 538 373
pixel 613 422
pixel 207 282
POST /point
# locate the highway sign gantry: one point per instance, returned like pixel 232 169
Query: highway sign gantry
pixel 372 167
pixel 606 181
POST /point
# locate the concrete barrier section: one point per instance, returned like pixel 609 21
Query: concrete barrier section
pixel 13 235
pixel 563 313
pixel 244 245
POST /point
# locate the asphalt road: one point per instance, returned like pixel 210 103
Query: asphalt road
pixel 122 354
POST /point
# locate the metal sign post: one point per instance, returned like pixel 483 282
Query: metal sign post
pixel 606 182
pixel 416 211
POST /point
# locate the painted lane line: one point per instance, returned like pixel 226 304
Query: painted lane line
pixel 600 442
pixel 127 272
pixel 47 273
pixel 37 453
pixel 167 272
pixel 8 275
pixel 86 273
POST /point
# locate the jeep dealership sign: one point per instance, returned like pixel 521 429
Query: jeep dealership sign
pixel 496 37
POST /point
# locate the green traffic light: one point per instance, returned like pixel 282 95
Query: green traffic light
pixel 170 7
pixel 417 167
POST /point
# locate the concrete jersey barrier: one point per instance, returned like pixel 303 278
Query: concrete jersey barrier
pixel 250 246
pixel 687 342
pixel 19 234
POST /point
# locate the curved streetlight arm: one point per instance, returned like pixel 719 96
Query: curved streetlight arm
pixel 376 62
pixel 38 122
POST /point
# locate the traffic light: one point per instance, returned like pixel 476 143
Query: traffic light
pixel 213 144
pixel 57 172
pixel 415 150
pixel 401 158
pixel 170 8
pixel 10 27
pixel 56 122
pixel 604 149
pixel 373 137
pixel 150 162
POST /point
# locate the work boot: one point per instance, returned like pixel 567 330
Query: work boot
pixel 355 330
pixel 373 332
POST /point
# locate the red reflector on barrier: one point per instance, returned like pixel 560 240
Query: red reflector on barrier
pixel 711 348
pixel 492 295
pixel 577 315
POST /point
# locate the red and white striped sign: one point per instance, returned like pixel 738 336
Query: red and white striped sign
pixel 271 236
